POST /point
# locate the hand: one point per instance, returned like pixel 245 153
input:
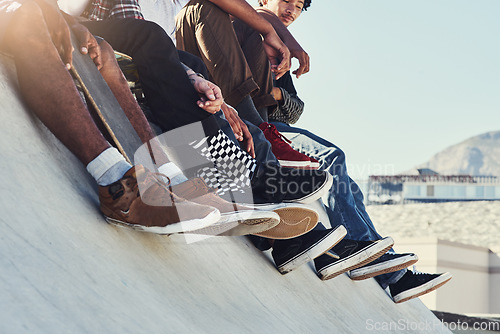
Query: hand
pixel 278 54
pixel 210 94
pixel 232 118
pixel 239 128
pixel 87 43
pixel 277 94
pixel 296 51
pixel 303 59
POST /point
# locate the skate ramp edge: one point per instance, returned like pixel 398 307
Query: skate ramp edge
pixel 64 270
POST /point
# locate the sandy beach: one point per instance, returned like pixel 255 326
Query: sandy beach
pixel 475 223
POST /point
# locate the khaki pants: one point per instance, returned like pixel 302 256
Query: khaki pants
pixel 234 57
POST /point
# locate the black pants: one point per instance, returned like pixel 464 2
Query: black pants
pixel 170 95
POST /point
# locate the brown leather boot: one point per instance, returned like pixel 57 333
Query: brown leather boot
pixel 142 201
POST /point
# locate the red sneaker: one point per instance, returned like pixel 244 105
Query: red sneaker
pixel 314 163
pixel 281 148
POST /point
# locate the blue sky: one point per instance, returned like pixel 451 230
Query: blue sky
pixel 393 82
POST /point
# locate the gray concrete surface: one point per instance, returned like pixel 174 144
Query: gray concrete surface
pixel 64 270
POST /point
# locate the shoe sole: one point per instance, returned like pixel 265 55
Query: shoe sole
pixel 316 194
pixel 356 260
pixel 314 165
pixel 241 223
pixel 383 268
pixel 179 227
pixel 294 164
pixel 294 222
pixel 315 250
pixel 422 289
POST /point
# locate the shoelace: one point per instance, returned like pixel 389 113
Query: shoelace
pixel 285 140
pixel 415 271
pixel 204 185
pixel 156 178
pixel 277 134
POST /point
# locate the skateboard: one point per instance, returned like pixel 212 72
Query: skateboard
pixel 102 101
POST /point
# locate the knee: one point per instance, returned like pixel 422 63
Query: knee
pixel 27 28
pixel 208 8
pixel 246 34
pixel 29 12
pixel 152 31
pixel 107 54
pixel 154 40
pixel 110 69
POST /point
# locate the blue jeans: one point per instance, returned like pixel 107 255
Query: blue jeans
pixel 345 199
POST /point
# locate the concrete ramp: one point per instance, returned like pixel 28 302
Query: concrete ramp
pixel 64 270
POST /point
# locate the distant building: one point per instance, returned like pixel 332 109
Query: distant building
pixel 427 185
pixel 475 287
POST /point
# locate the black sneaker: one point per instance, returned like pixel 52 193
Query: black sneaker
pixel 275 184
pixel 291 253
pixel 387 263
pixel 414 284
pixel 350 254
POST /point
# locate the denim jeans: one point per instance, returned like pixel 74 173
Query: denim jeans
pixel 345 199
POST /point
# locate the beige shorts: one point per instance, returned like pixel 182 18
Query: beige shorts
pixel 7 9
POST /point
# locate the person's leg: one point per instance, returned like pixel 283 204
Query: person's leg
pixel 262 146
pixel 343 202
pixel 251 45
pixel 57 104
pixel 116 81
pixel 191 130
pixel 203 29
pixel 60 107
pixel 204 135
pixel 170 95
pixel 345 199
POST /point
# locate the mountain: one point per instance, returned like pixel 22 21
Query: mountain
pixel 479 155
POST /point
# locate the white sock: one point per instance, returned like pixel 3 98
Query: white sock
pixel 173 172
pixel 108 167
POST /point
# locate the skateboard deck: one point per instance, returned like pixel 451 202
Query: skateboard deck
pixel 105 105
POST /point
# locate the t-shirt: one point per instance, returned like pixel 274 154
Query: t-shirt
pixel 162 12
pixel 73 7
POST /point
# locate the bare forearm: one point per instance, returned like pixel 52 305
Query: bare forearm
pixel 296 51
pixel 70 20
pixel 246 13
pixel 282 31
